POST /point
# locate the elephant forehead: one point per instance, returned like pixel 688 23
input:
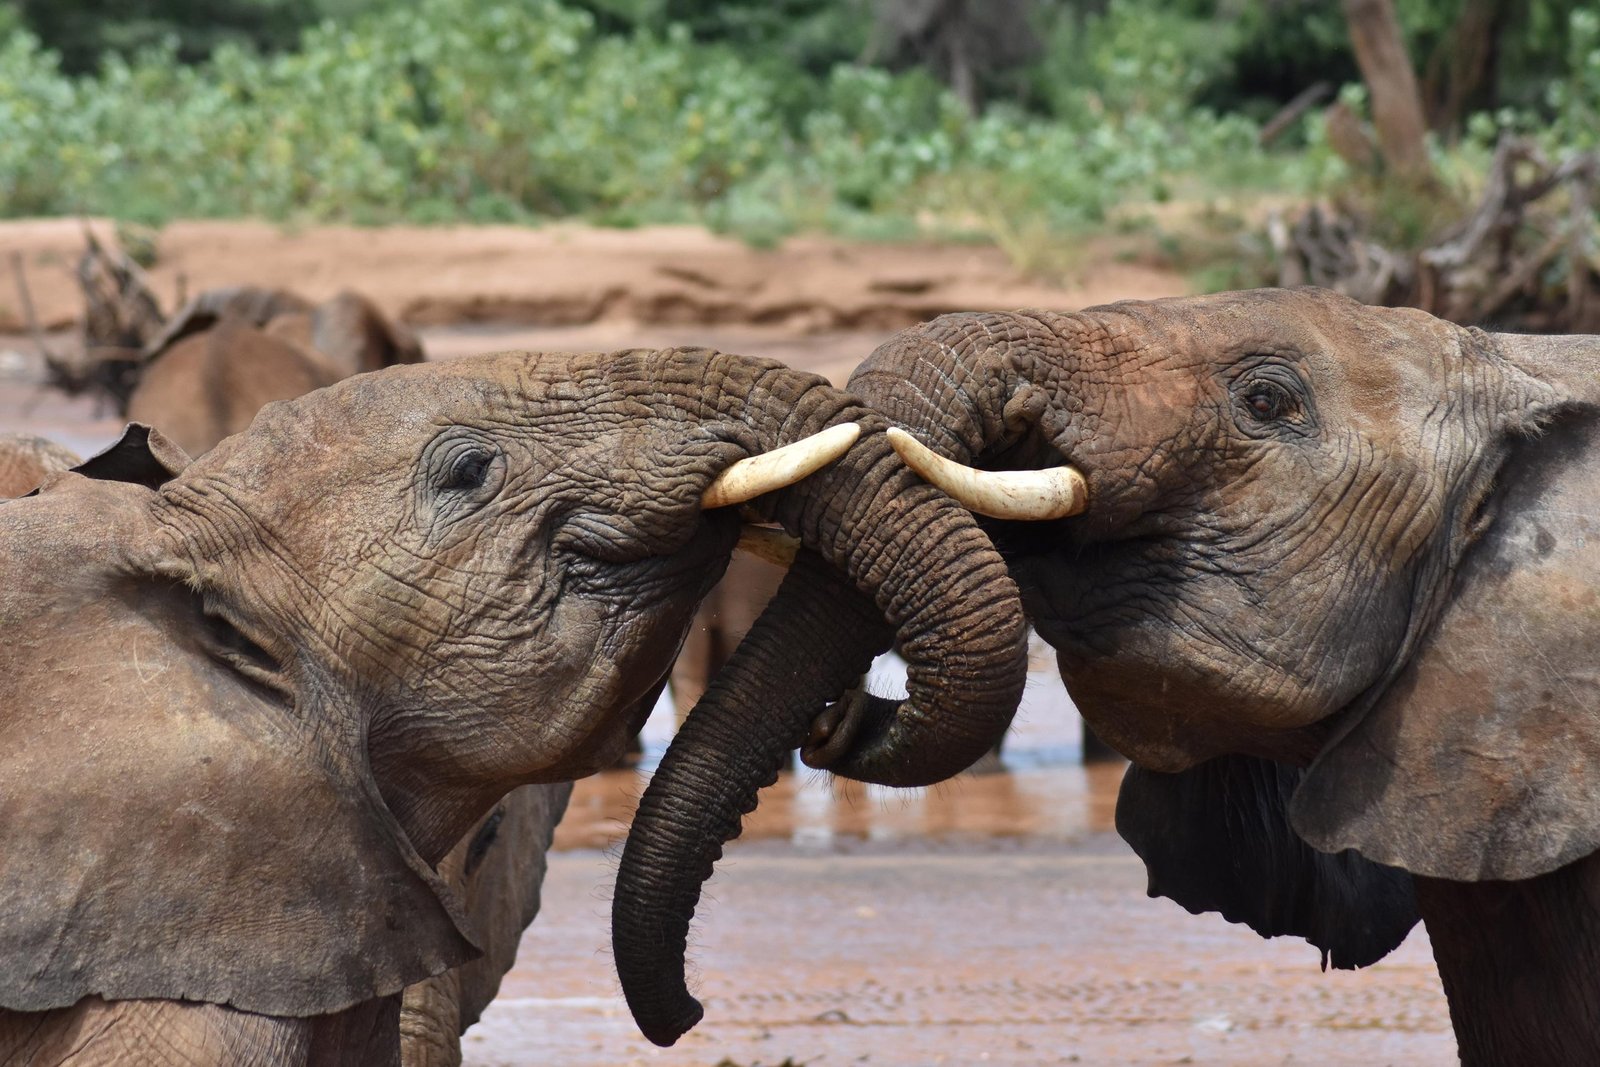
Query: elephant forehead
pixel 1385 367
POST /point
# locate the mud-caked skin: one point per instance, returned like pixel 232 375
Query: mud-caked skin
pixel 1335 587
pixel 291 676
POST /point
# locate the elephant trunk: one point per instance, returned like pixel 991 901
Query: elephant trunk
pixel 708 780
pixel 890 553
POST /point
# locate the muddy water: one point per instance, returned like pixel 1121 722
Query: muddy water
pixel 993 919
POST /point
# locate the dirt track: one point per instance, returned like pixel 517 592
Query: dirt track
pixel 994 920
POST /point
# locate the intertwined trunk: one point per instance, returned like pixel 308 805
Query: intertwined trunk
pixel 888 553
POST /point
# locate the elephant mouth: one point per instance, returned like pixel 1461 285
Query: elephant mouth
pixel 834 731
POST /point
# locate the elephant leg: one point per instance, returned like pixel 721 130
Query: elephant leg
pixel 430 1022
pixel 693 668
pixel 1520 963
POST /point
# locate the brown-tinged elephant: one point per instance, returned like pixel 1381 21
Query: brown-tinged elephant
pixel 495 871
pixel 725 616
pixel 291 675
pixel 209 384
pixel 1334 593
pixel 347 330
pixel 230 351
pixel 26 460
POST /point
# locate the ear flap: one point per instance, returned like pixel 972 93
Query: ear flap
pixel 1216 837
pixel 1482 760
pixel 170 829
pixel 358 337
pixel 1568 365
pixel 142 455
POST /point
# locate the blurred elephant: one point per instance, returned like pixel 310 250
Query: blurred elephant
pixel 292 676
pixel 1334 594
pixel 25 460
pixel 726 614
pixel 231 351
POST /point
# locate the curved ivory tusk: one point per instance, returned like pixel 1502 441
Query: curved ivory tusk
pixel 1025 495
pixel 772 545
pixel 749 478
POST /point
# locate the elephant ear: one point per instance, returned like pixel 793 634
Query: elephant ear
pixel 169 828
pixel 142 455
pixel 1216 837
pixel 1482 759
pixel 357 337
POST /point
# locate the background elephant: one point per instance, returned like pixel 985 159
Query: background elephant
pixel 726 615
pixel 384 606
pixel 231 351
pixel 1334 594
pixel 26 459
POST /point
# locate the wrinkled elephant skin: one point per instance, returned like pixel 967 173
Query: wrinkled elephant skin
pixel 374 613
pixel 1334 593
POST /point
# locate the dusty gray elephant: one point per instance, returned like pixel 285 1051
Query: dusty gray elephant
pixel 374 613
pixel 231 351
pixel 496 871
pixel 1335 595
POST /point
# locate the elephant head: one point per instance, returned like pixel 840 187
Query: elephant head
pixel 1333 587
pixel 288 676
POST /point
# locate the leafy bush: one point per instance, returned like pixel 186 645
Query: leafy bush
pixel 488 110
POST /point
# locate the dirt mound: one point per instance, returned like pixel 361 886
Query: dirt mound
pixel 566 275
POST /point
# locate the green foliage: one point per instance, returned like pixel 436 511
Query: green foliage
pixel 492 110
pixel 81 31
pixel 1566 117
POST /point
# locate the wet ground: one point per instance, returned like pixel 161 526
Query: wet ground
pixel 992 920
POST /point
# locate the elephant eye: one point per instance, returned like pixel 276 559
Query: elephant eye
pixel 461 470
pixel 1266 401
pixel 469 470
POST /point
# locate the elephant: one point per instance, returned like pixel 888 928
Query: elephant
pixel 1333 593
pixel 495 871
pixel 291 675
pixel 726 615
pixel 348 330
pixel 230 351
pixel 25 461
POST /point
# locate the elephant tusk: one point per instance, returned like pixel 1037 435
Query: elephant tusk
pixel 749 478
pixel 1023 495
pixel 772 545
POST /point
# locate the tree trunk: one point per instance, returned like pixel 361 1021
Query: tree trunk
pixel 1464 67
pixel 1392 84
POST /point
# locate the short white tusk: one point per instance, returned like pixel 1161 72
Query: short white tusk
pixel 772 545
pixel 1023 495
pixel 749 478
